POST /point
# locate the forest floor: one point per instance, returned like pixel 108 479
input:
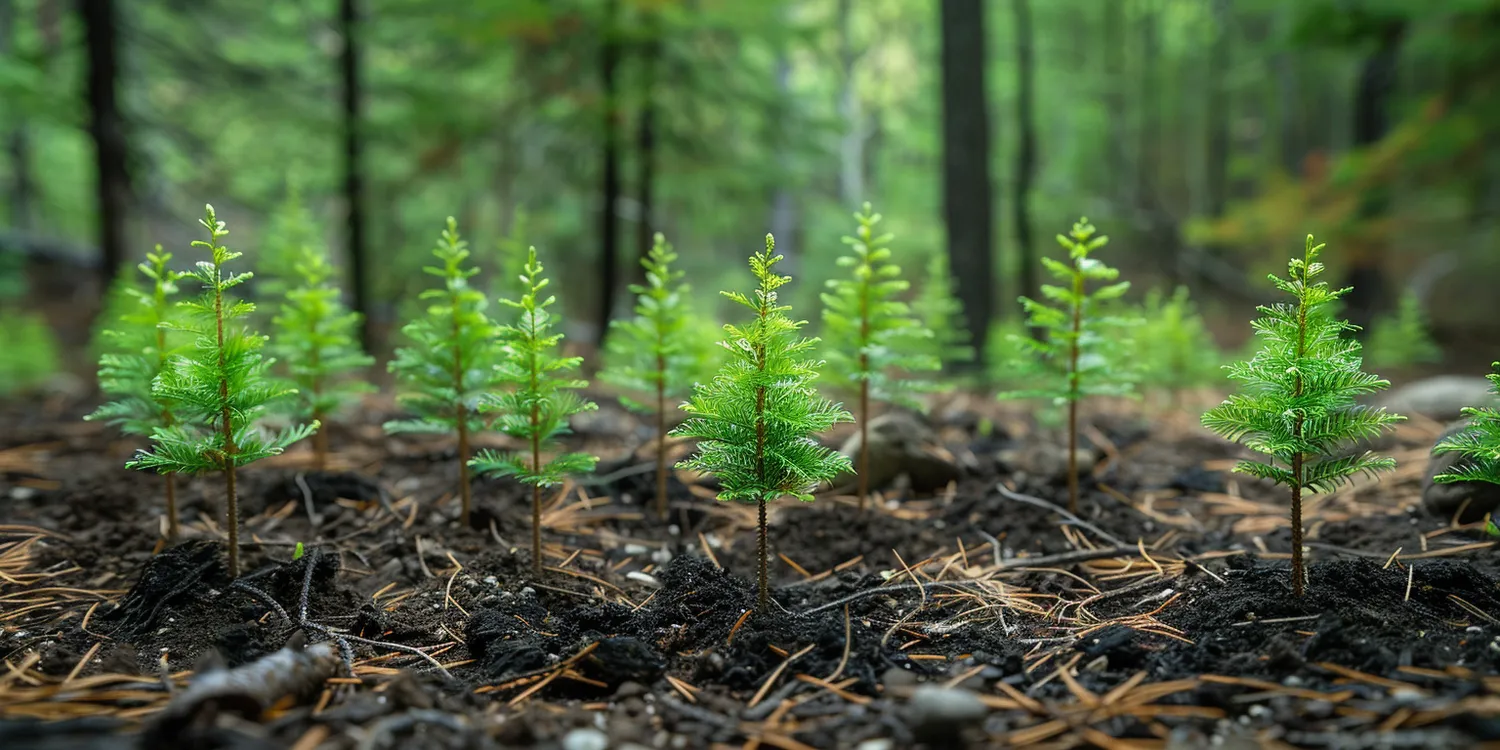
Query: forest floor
pixel 1161 616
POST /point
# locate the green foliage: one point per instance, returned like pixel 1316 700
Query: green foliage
pixel 1084 347
pixel 1401 339
pixel 219 386
pixel 450 363
pixel 298 552
pixel 1297 400
pixel 870 335
pixel 315 335
pixel 1478 444
pixel 656 350
pixel 292 235
pixel 1173 348
pixel 30 351
pixel 755 419
pixel 540 398
pixel 940 312
pixel 136 349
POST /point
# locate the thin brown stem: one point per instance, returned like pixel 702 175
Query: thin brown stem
pixel 226 425
pixel 661 436
pixel 465 502
pixel 1073 391
pixel 763 597
pixel 1299 574
pixel 173 531
pixel 864 441
pixel 536 499
pixel 233 506
pixel 320 441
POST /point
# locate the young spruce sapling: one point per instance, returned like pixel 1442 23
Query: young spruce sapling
pixel 135 351
pixel 1083 343
pixel 450 364
pixel 755 420
pixel 942 313
pixel 871 336
pixel 653 352
pixel 219 387
pixel 1478 444
pixel 1297 399
pixel 539 401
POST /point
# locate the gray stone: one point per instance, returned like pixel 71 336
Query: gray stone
pixel 939 710
pixel 585 739
pixel 1444 500
pixel 1047 461
pixel 902 444
pixel 1442 398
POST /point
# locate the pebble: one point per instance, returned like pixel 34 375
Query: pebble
pixel 645 578
pixel 661 556
pixel 636 549
pixel 932 707
pixel 879 743
pixel 585 739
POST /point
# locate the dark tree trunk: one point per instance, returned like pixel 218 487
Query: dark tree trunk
pixel 968 195
pixel 354 198
pixel 1115 158
pixel 17 147
pixel 1026 148
pixel 107 127
pixel 609 260
pixel 1216 160
pixel 645 144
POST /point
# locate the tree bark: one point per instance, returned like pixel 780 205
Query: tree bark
pixel 645 145
pixel 1372 122
pixel 609 271
pixel 107 128
pixel 968 195
pixel 1026 147
pixel 354 199
pixel 1116 160
pixel 852 142
pixel 1216 161
pixel 17 144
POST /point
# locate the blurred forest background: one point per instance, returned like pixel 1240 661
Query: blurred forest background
pixel 1206 137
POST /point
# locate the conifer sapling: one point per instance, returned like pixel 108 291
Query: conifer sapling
pixel 870 335
pixel 653 352
pixel 942 313
pixel 1083 343
pixel 315 334
pixel 1401 339
pixel 219 387
pixel 451 361
pixel 1478 444
pixel 539 401
pixel 1297 400
pixel 1173 348
pixel 135 351
pixel 755 420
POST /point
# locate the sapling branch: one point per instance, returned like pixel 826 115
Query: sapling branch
pixel 1478 443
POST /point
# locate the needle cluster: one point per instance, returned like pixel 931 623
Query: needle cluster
pixel 870 335
pixel 538 400
pixel 755 420
pixel 450 363
pixel 1478 444
pixel 219 386
pixel 1174 350
pixel 1296 404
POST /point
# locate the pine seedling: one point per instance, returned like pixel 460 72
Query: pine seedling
pixel 653 352
pixel 1297 399
pixel 451 362
pixel 539 401
pixel 1083 343
pixel 941 312
pixel 1174 350
pixel 1478 444
pixel 135 350
pixel 315 334
pixel 755 420
pixel 1401 339
pixel 871 335
pixel 218 388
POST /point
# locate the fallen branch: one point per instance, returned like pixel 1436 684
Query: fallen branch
pixel 248 690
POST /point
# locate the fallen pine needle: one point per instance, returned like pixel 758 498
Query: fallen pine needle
pixel 776 675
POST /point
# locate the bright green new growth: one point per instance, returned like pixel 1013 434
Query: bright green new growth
pixel 654 352
pixel 315 336
pixel 540 400
pixel 1083 345
pixel 450 364
pixel 1401 339
pixel 1174 351
pixel 218 388
pixel 1297 400
pixel 1479 444
pixel 942 313
pixel 870 335
pixel 135 351
pixel 755 419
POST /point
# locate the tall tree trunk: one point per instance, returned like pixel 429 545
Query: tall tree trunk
pixel 783 217
pixel 17 147
pixel 968 195
pixel 107 127
pixel 1216 161
pixel 1373 95
pixel 354 199
pixel 852 142
pixel 1116 159
pixel 609 268
pixel 645 145
pixel 1026 148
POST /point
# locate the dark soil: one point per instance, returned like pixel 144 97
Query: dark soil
pixel 637 631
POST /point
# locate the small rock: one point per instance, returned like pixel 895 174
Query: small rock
pixel 1048 461
pixel 879 743
pixel 585 739
pixel 935 710
pixel 1442 398
pixel 896 677
pixel 661 556
pixel 1444 500
pixel 645 578
pixel 636 549
pixel 901 443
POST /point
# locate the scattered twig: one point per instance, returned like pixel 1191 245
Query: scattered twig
pixel 1073 519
